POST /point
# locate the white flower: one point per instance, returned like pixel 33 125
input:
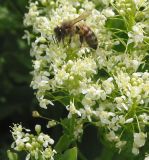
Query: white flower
pixel 108 85
pixel 30 17
pixel 78 129
pixel 121 103
pixel 135 64
pixel 87 101
pixel 139 139
pixel 72 110
pixel 144 117
pixel 111 136
pixel 47 141
pixel 28 156
pixel 88 5
pixel 37 64
pixel 44 102
pixel 130 120
pixel 61 76
pixel 135 91
pixel 35 145
pixel 27 36
pixel 120 145
pixel 48 153
pixel 51 123
pixel 38 128
pixel 41 138
pixel 108 12
pixel 137 33
pixel 106 2
pixel 146 157
pixel 104 117
pixel 135 151
pixel 140 3
pixel 28 146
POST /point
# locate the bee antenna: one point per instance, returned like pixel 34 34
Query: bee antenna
pixel 87 13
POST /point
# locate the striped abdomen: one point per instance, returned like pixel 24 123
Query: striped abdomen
pixel 88 35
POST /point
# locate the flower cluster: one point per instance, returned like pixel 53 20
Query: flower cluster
pixel 109 86
pixel 37 146
pixel 139 141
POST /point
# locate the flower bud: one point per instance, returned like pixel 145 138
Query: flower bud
pixel 38 128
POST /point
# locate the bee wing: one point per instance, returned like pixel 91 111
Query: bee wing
pixel 81 17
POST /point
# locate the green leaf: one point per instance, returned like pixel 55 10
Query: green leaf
pixel 70 154
pixel 116 24
pixel 11 155
pixel 68 126
pixel 63 143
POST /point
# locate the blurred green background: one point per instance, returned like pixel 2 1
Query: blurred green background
pixel 16 97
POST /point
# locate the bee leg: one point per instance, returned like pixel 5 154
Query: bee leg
pixel 70 38
pixel 63 42
pixel 81 40
pixel 57 43
pixel 54 39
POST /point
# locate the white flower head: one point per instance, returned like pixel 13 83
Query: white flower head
pixel 72 110
pixel 139 141
pixel 137 34
pixel 108 12
pixel 111 136
pixel 146 157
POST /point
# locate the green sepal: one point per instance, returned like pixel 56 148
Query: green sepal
pixel 70 154
pixel 63 143
pixel 11 155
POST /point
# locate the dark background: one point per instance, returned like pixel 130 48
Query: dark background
pixel 16 97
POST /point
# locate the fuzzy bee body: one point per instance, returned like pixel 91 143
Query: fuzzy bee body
pixel 72 27
pixel 88 35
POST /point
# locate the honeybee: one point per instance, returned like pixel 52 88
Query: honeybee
pixel 72 27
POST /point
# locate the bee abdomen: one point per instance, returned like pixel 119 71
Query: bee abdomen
pixel 91 39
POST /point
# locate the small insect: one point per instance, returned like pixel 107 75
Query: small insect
pixel 72 27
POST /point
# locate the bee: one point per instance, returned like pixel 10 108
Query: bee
pixel 72 27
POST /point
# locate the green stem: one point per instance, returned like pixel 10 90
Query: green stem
pixel 107 154
pixel 132 110
pixel 138 123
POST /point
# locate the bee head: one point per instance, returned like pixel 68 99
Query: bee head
pixel 58 33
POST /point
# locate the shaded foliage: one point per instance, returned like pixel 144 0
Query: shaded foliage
pixel 16 97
